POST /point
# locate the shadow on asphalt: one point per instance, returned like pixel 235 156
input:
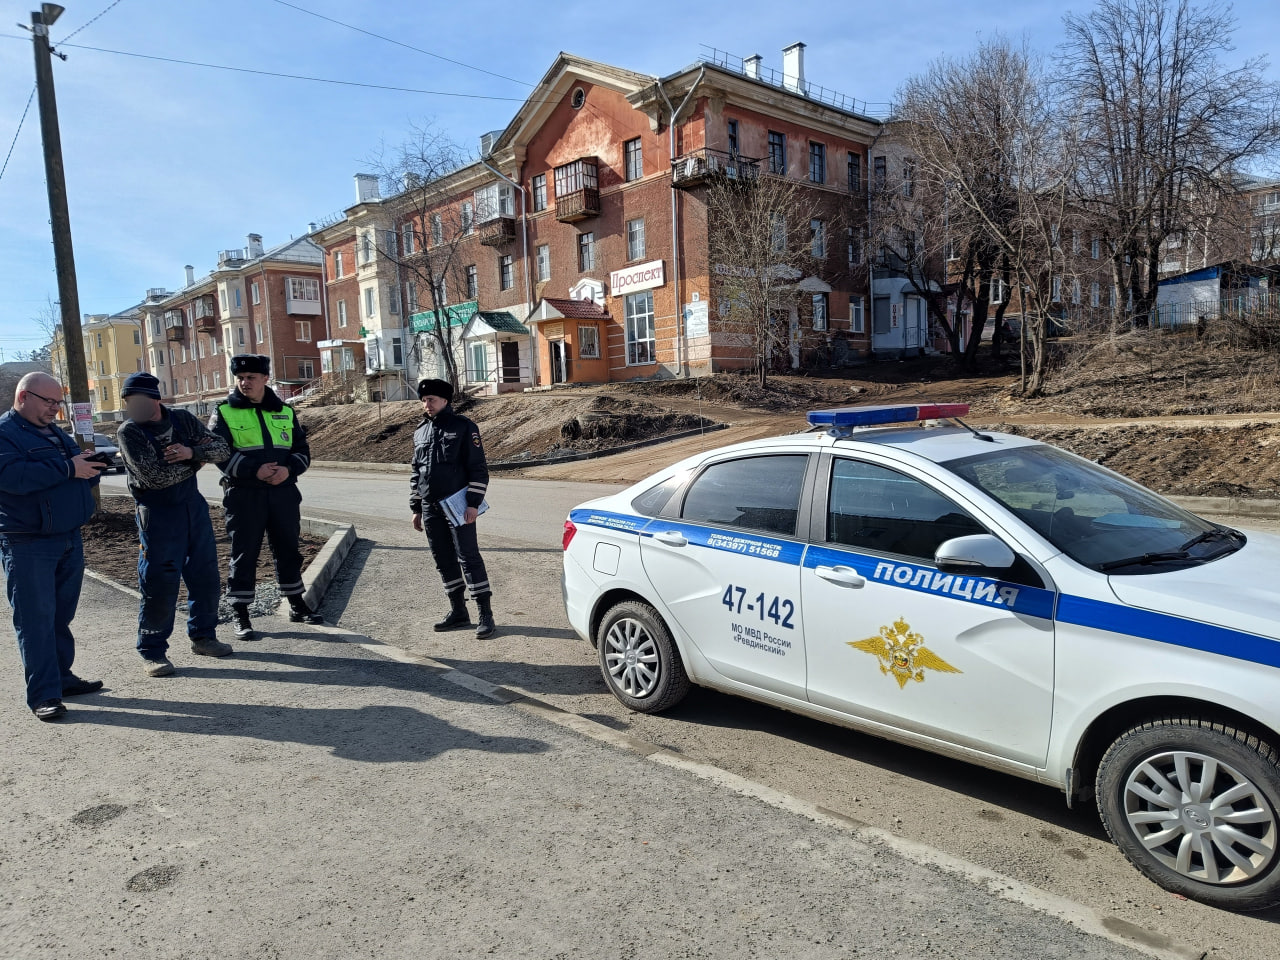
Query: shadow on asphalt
pixel 372 733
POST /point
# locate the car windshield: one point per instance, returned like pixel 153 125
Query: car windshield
pixel 1097 518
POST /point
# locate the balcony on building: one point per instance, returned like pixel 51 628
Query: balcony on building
pixel 705 165
pixel 205 311
pixel 578 190
pixel 496 232
pixel 175 324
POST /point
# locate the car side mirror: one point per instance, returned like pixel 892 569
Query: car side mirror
pixel 978 552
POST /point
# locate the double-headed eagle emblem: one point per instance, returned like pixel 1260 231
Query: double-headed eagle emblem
pixel 902 653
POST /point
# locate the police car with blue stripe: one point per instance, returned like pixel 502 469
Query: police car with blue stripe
pixel 980 595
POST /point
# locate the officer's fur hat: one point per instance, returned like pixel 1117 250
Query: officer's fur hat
pixel 436 388
pixel 251 363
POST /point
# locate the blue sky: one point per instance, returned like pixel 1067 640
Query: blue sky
pixel 167 163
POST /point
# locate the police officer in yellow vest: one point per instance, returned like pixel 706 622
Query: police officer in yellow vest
pixel 268 452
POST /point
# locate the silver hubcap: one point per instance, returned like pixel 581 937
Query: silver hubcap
pixel 1200 817
pixel 631 657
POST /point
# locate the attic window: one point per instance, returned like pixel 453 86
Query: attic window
pixel 579 98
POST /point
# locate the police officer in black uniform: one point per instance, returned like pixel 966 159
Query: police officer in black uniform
pixel 448 457
pixel 268 452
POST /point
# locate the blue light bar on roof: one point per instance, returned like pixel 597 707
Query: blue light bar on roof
pixel 874 415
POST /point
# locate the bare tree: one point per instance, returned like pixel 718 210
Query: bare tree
pixel 987 202
pixel 1161 126
pixel 766 235
pixel 434 226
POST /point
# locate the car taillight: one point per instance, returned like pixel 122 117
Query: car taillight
pixel 569 531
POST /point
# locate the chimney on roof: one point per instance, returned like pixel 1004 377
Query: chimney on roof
pixel 793 68
pixel 255 246
pixel 751 66
pixel 366 187
pixel 311 227
pixel 191 274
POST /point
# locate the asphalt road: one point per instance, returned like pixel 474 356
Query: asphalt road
pixel 390 591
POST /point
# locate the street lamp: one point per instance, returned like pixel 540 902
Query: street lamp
pixel 50 12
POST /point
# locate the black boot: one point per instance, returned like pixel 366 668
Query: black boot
pixel 244 629
pixel 299 612
pixel 485 625
pixel 458 616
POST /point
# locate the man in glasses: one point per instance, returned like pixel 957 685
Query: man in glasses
pixel 45 496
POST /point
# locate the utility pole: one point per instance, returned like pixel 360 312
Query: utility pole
pixel 59 217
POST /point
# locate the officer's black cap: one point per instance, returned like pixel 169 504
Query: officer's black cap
pixel 251 363
pixel 436 388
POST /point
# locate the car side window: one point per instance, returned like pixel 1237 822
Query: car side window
pixel 879 509
pixel 750 493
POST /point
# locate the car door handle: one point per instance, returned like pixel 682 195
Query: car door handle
pixel 845 576
pixel 671 538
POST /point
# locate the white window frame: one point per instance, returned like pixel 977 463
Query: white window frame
pixel 302 331
pixel 342 312
pixel 543 260
pixel 478 362
pixel 635 239
pixel 406 243
pixel 588 341
pixel 254 293
pixel 638 310
pixel 857 315
pixel 370 302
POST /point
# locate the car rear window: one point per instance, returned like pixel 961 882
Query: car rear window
pixel 750 493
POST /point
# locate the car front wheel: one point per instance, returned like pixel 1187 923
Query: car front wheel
pixel 1193 805
pixel 639 659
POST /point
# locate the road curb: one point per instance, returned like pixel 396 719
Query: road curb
pixel 1231 506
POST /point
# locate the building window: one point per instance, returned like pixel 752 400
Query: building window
pixel 304 288
pixel 539 193
pixel 733 137
pixel 778 233
pixel 586 252
pixel 406 242
pixel 479 371
pixel 254 294
pixel 879 168
pixel 411 296
pixel 441 293
pixel 217 379
pixel 818 162
pixel 588 342
pixel 306 370
pixel 777 152
pixel 1095 294
pixel 639 325
pixel 437 230
pixel 819 311
pixel 1053 234
pixel 635 239
pixel 366 247
pixel 468 217
pixel 817 239
pixel 222 301
pixel 855 172
pixel 853 241
pixel 262 333
pixel 543 262
pixel 575 177
pixel 633 160
pixel 302 331
pixel 342 313
pixel 908 178
pixel 506 273
pixel 1075 292
pixel 238 303
pixel 1095 248
pixel 137 338
pixel 337 265
pixel 996 292
pixel 370 301
pixel 857 318
pixel 1055 289
pixel 393 298
pixel 240 336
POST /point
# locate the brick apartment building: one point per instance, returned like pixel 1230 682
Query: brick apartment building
pixel 253 301
pixel 587 255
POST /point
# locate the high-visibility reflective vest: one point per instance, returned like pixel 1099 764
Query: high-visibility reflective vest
pixel 247 425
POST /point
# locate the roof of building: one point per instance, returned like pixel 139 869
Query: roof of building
pixel 502 322
pixel 552 308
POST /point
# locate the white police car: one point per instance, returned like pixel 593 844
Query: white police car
pixel 980 595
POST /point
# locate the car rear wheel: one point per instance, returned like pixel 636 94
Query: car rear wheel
pixel 639 659
pixel 1193 805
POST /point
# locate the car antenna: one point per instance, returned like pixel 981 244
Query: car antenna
pixel 977 433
